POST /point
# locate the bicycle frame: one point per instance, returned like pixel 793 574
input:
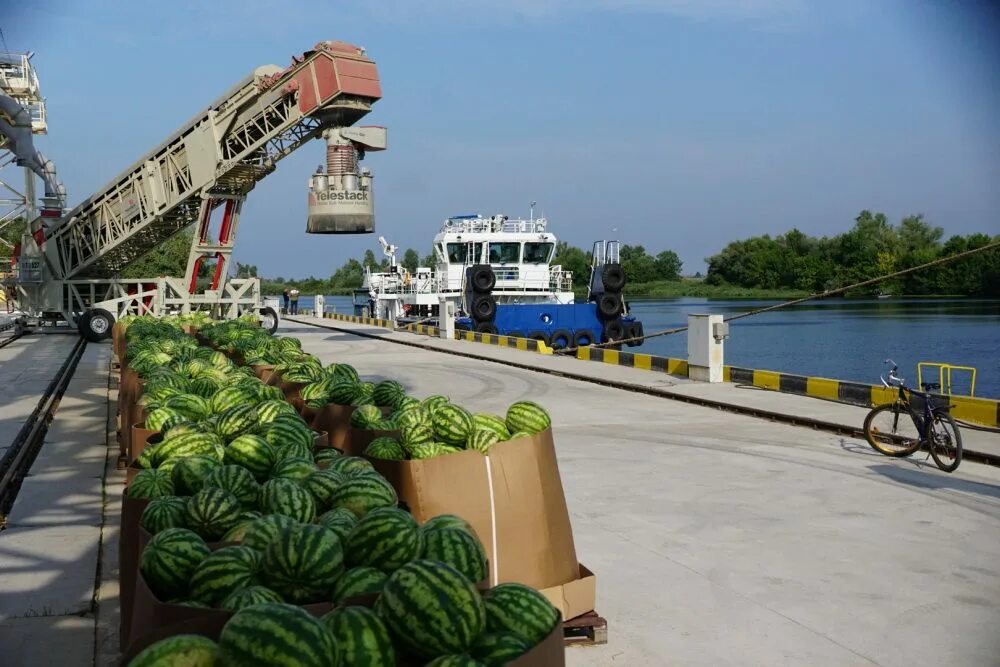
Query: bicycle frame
pixel 924 421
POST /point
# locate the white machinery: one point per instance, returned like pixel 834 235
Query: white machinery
pixel 69 264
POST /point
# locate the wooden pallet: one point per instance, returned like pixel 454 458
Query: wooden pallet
pixel 586 630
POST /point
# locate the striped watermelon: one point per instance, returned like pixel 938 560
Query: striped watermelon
pixel 517 435
pixel 385 539
pixel 294 468
pixel 178 651
pixel 263 531
pixel 236 420
pixel 151 484
pixel 228 398
pixel 238 532
pixel 432 403
pixel 238 481
pixel 251 452
pixel 248 597
pixel 416 434
pixel 488 422
pixel 361 636
pixel 303 563
pixel 363 494
pixel 316 391
pixel 405 402
pixel 343 392
pixel 326 454
pixel 387 393
pixel 169 560
pixel 350 466
pixel 189 474
pixel 428 450
pixel 411 416
pixel 358 581
pixel 188 444
pixel 161 419
pixel 385 448
pixel 482 440
pixel 322 484
pixel 277 635
pixel 496 649
pixel 452 424
pixel 366 416
pixel 192 406
pixel 454 660
pixel 459 548
pixel 431 608
pixel 527 417
pixel 343 372
pixel 268 410
pixel 285 496
pixel 206 387
pixel 340 520
pixel 182 428
pixel 163 513
pixel 293 450
pixel 521 611
pixel 281 432
pixel 224 572
pixel 212 512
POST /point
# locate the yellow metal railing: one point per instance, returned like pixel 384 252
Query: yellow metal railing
pixel 944 373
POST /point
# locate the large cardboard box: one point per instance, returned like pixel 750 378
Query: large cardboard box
pixel 262 371
pixel 138 440
pixel 574 598
pixel 128 563
pixel 336 421
pixel 512 497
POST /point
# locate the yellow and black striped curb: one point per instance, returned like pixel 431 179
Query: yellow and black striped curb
pixel 527 344
pixel 423 330
pixel 645 362
pixel 371 321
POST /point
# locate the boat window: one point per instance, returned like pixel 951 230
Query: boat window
pixel 505 253
pixel 458 253
pixel 537 253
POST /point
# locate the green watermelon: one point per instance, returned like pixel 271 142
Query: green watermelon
pixel 366 416
pixel 411 416
pixel 387 393
pixel 248 597
pixel 447 521
pixel 162 419
pixel 496 649
pixel 224 572
pixel 277 635
pixel 237 480
pixel 350 466
pixel 456 547
pixel 294 468
pixel 189 474
pixel 344 372
pixel 482 440
pixel 251 452
pixel 431 608
pixel 268 410
pixel 521 611
pixel 343 392
pixel 178 651
pixel 415 435
pixel 363 494
pixel 361 636
pixel 285 496
pixel 193 407
pixel 527 417
pixel 151 484
pixel 452 424
pixel 325 455
pixel 386 539
pixel 163 513
pixel 358 581
pixel 280 433
pixel 188 444
pixel 322 484
pixel 340 520
pixel 432 403
pixel 169 560
pixel 428 450
pixel 303 563
pixel 206 387
pixel 236 420
pixel 261 532
pixel 454 660
pixel 385 448
pixel 228 398
pixel 488 422
pixel 212 512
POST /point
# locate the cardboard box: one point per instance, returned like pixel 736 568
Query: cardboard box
pixel 273 378
pixel 336 421
pixel 128 562
pixel 139 439
pixel 576 597
pixel 358 439
pixel 512 497
pixel 262 371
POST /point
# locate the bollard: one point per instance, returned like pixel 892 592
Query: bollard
pixel 705 336
pixel 446 318
pixel 318 306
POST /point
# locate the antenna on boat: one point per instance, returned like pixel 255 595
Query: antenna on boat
pixel 533 211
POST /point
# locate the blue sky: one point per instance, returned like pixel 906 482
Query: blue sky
pixel 683 124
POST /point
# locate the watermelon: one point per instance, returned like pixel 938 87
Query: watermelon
pixel 188 444
pixel 285 496
pixel 294 468
pixel 496 649
pixel 452 424
pixel 343 392
pixel 519 434
pixel 236 420
pixel 363 494
pixel 178 651
pixel 385 448
pixel 431 608
pixel 181 428
pixel 350 466
pixel 163 513
pixel 527 417
pixel 162 419
pixel 212 512
pixel 227 398
pixel 358 581
pixel 268 410
pixel 387 393
pixel 224 572
pixel 277 635
pixel 491 422
pixel 428 450
pixel 189 474
pixel 261 532
pixel 238 532
pixel 151 484
pixel 416 434
pixel 325 455
pixel 454 660
pixel 521 611
pixel 191 406
pixel 280 433
pixel 251 452
pixel 366 416
pixel 303 563
pixel 248 597
pixel 340 520
pixel 386 539
pixel 447 521
pixel 361 636
pixel 482 440
pixel 169 560
pixel 456 547
pixel 343 372
pixel 322 484
pixel 237 480
pixel 206 387
pixel 432 403
pixel 411 416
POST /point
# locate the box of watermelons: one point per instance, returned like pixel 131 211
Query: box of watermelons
pixel 138 439
pixel 262 371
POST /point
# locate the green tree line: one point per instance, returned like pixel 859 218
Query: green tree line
pixel 873 247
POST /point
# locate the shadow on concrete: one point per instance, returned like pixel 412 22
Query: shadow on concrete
pixel 932 478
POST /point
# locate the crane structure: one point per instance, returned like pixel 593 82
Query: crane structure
pixel 70 263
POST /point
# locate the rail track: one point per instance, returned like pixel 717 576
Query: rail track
pixel 985 458
pixel 17 459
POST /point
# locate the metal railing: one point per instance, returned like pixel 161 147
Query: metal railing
pixel 944 374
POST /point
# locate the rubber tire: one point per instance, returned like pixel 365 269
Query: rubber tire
pixel 100 318
pixel 484 308
pixel 946 464
pixel 613 277
pixel 486 328
pixel 482 279
pixel 609 306
pixel 540 335
pixel 561 334
pixel 903 414
pixel 613 331
pixel 268 312
pixel 583 338
pixel 634 330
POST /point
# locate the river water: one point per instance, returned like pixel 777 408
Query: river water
pixel 845 339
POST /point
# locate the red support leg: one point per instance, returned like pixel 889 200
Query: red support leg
pixel 224 233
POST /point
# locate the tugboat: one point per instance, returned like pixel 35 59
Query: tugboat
pixel 498 272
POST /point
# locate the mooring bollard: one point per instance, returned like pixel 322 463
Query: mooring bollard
pixel 705 336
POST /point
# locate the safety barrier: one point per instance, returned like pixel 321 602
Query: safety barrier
pixel 527 344
pixel 371 321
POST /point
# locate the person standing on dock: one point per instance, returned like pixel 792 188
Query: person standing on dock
pixel 284 301
pixel 294 296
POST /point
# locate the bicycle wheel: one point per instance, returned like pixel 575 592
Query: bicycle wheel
pixel 945 442
pixel 889 429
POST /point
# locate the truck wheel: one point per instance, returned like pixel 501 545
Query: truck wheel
pixel 95 325
pixel 269 319
pixel 561 339
pixel 613 277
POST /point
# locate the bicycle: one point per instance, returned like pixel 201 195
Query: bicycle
pixel 912 421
